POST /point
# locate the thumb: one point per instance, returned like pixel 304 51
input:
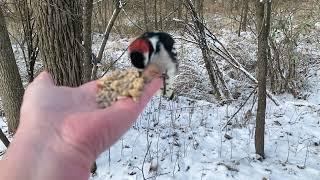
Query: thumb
pixel 44 78
pixel 41 82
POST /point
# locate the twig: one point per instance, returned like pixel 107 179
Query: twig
pixel 106 34
pixel 183 39
pixel 114 62
pixel 166 17
pixel 157 175
pixel 223 52
pixel 242 105
pixel 228 167
pixel 144 160
pixel 127 16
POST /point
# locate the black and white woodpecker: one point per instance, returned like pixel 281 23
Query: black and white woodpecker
pixel 156 49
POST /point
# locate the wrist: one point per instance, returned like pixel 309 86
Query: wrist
pixel 39 155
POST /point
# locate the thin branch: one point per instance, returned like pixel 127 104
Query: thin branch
pixel 166 17
pixel 226 55
pixel 106 34
pixel 183 39
pixel 144 159
pixel 127 16
pixel 114 62
pixel 241 106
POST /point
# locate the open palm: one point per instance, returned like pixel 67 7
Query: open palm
pixel 72 117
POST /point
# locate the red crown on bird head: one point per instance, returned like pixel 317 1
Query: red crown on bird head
pixel 139 45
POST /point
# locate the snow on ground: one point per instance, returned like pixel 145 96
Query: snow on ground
pixel 184 139
pixel 186 142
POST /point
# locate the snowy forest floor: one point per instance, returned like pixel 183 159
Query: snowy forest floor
pixel 183 139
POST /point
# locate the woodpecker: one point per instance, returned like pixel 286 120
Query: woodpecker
pixel 155 50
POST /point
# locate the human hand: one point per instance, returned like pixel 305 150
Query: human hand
pixel 67 125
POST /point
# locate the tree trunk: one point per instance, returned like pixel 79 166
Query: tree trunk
pixel 60 34
pixel 160 16
pixel 166 10
pixel 245 15
pixel 180 9
pixel 263 14
pixel 11 89
pixel 105 16
pixel 155 15
pixel 100 17
pixel 201 38
pixel 87 40
pixel 145 15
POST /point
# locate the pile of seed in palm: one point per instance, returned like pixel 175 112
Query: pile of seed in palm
pixel 119 84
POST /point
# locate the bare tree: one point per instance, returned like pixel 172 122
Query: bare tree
pixel 30 36
pixel 119 6
pixel 60 32
pixel 155 14
pixel 145 15
pixel 160 23
pixel 87 40
pixel 263 16
pixel 199 7
pixel 213 70
pixel 244 16
pixel 216 47
pixel 11 89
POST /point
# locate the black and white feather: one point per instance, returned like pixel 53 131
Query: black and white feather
pixel 156 48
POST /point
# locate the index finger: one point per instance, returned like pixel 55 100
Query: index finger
pixel 91 89
pixel 109 124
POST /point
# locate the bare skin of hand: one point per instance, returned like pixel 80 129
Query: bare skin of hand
pixel 62 130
